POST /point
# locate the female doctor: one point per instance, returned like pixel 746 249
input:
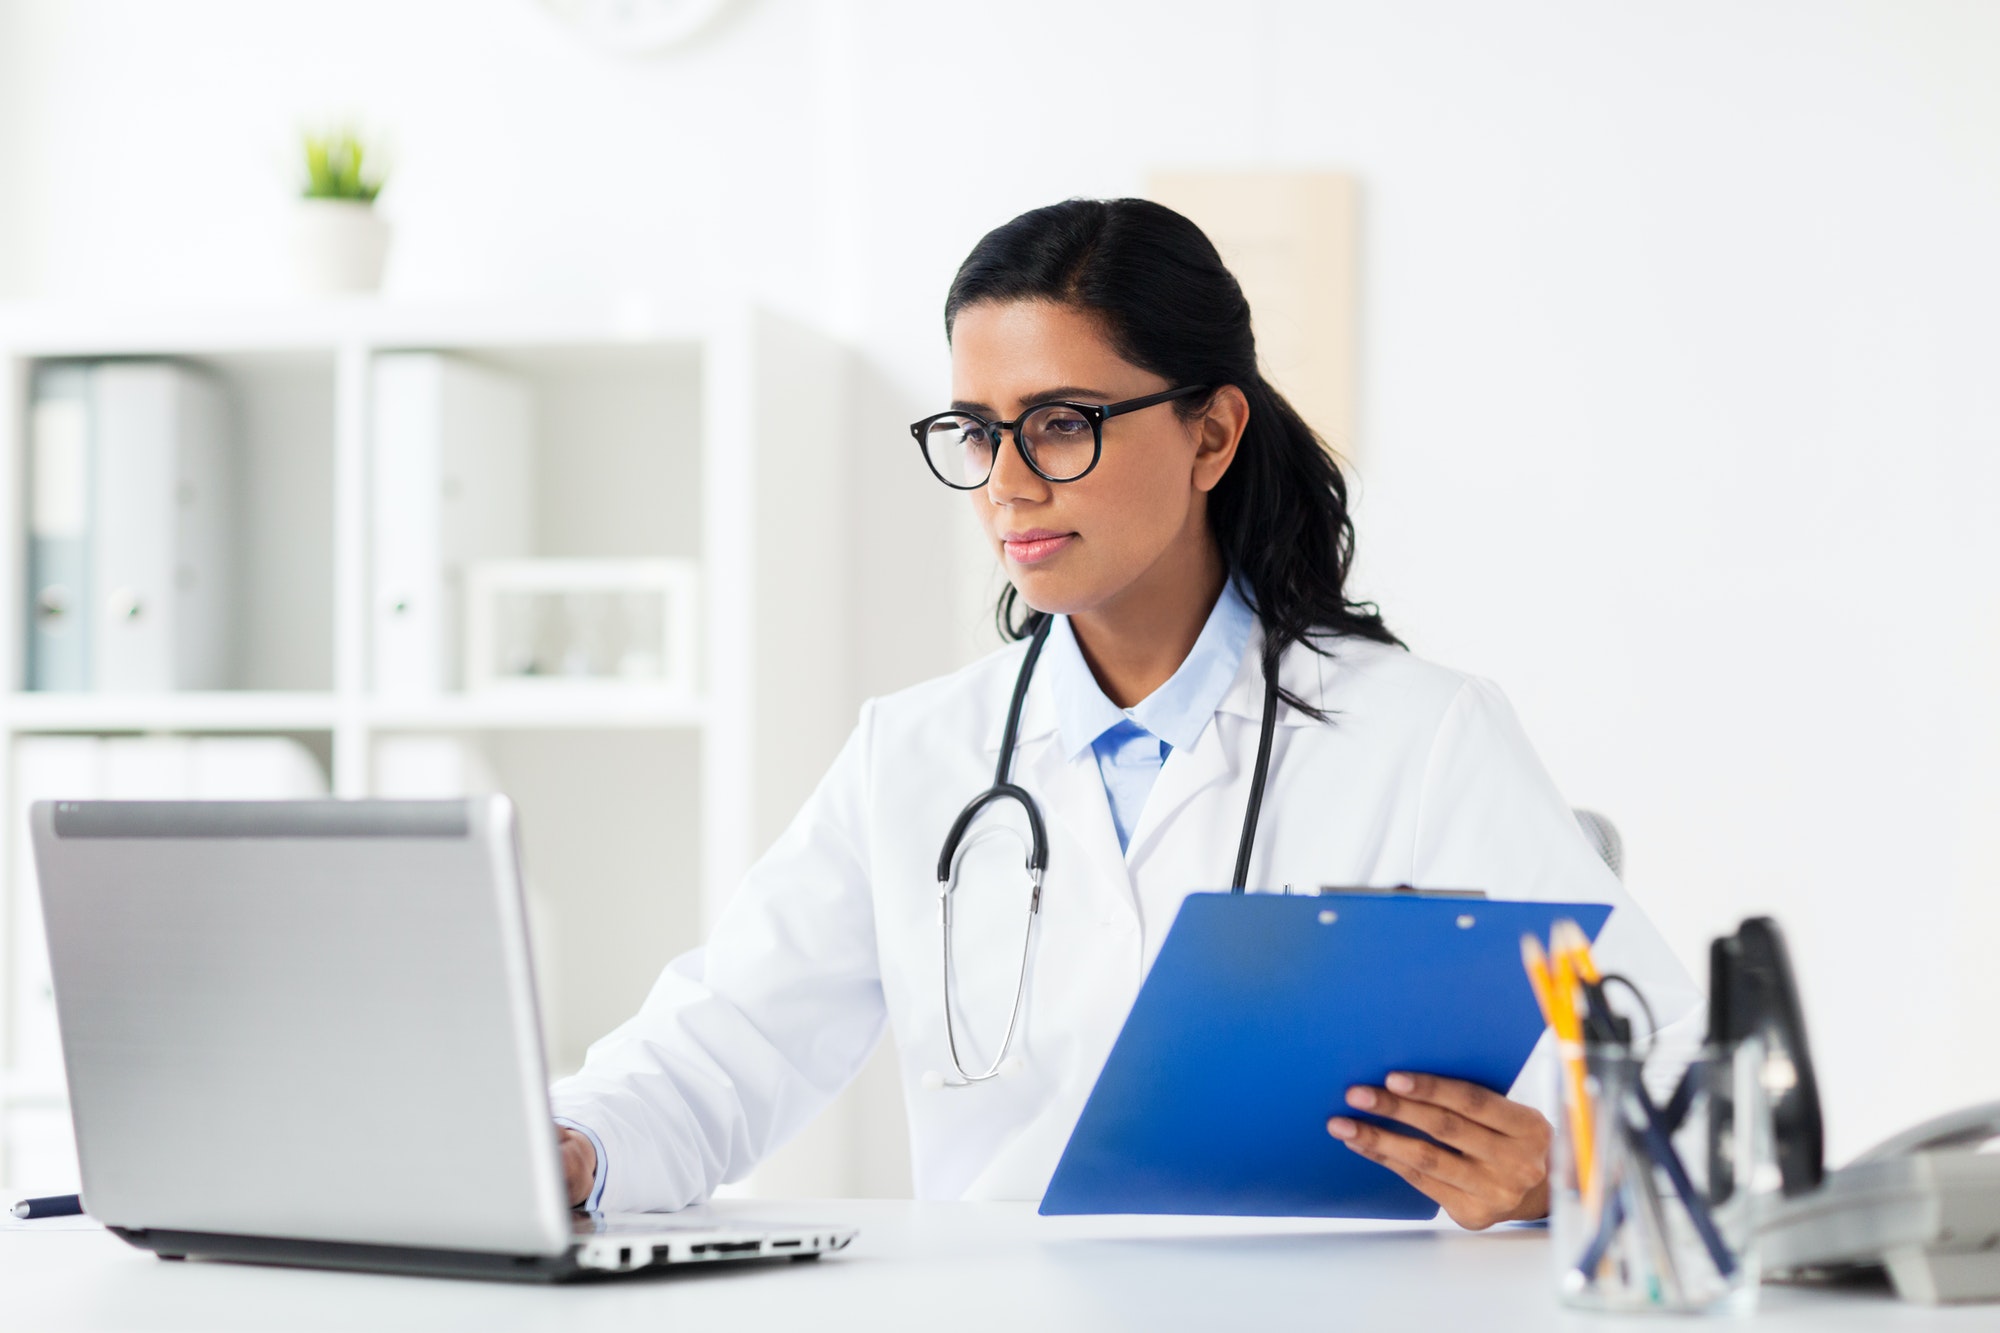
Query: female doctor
pixel 1187 686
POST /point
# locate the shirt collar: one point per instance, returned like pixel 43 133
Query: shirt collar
pixel 1178 710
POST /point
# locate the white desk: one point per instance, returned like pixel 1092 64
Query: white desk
pixel 939 1267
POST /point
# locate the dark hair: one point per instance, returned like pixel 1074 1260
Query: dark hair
pixel 1169 305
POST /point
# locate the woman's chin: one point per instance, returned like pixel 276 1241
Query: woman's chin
pixel 1047 592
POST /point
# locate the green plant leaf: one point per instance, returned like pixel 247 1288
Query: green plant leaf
pixel 337 167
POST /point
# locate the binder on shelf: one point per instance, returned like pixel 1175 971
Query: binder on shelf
pixel 158 547
pixel 59 529
pixel 129 529
pixel 451 457
pixel 405 767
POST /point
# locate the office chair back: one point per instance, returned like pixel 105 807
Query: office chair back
pixel 1603 836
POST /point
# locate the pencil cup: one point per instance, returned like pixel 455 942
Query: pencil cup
pixel 1655 1176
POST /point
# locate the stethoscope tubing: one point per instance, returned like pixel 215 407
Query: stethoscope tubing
pixel 1038 844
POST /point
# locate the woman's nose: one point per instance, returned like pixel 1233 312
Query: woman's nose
pixel 1012 479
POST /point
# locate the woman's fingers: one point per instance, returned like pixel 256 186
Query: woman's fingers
pixel 579 1164
pixel 1407 1158
pixel 1442 1123
pixel 1396 1151
pixel 1490 1159
pixel 1480 1105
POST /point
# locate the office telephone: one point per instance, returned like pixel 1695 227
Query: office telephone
pixel 1924 1205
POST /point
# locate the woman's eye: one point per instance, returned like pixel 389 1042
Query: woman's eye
pixel 1067 424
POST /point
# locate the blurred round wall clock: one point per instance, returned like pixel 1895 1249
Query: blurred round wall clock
pixel 636 27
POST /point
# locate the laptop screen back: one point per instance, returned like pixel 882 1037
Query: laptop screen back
pixel 303 1019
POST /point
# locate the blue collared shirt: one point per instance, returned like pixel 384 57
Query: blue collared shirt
pixel 1131 744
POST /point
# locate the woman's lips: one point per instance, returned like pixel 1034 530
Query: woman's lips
pixel 1028 548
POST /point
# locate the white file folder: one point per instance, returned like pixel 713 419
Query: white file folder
pixel 59 529
pixel 130 529
pixel 160 553
pixel 450 455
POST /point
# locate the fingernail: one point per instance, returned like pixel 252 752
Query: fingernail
pixel 1400 1083
pixel 1340 1127
pixel 1361 1098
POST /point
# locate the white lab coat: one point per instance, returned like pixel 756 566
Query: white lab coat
pixel 1422 777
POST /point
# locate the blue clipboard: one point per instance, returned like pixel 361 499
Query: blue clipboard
pixel 1261 1011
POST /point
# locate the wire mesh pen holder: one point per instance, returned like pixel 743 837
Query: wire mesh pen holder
pixel 1656 1172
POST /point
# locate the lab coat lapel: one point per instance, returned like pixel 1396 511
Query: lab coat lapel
pixel 1211 762
pixel 1071 793
pixel 1083 841
pixel 1185 775
pixel 1225 752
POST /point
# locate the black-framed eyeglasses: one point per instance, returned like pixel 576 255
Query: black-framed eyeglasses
pixel 1059 441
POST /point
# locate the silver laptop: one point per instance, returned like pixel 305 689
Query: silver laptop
pixel 305 1032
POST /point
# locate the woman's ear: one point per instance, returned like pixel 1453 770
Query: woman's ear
pixel 1217 433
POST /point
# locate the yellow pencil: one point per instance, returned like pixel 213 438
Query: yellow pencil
pixel 1571 1047
pixel 1536 964
pixel 1568 937
pixel 1562 987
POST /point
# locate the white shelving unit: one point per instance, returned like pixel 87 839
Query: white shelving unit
pixel 713 434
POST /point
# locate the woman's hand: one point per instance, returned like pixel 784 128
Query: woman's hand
pixel 1495 1165
pixel 579 1164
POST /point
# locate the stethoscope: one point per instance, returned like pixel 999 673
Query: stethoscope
pixel 955 846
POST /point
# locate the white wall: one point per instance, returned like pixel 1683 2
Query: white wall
pixel 1679 410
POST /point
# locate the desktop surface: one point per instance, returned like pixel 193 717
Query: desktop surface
pixel 955 1266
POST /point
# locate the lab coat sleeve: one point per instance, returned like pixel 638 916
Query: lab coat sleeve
pixel 742 1041
pixel 1491 818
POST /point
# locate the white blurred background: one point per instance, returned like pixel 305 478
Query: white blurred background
pixel 1679 367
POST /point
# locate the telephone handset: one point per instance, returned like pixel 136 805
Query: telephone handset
pixel 1924 1205
pixel 1968 1128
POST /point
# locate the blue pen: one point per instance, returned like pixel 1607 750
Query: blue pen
pixel 55 1205
pixel 1654 1134
pixel 1671 1116
pixel 1669 1161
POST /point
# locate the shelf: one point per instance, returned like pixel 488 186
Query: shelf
pixel 256 710
pixel 42 1092
pixel 210 710
pixel 636 709
pixel 666 426
pixel 73 328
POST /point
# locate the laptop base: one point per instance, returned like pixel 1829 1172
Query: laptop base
pixel 407 1260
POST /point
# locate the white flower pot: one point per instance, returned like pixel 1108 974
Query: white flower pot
pixel 338 245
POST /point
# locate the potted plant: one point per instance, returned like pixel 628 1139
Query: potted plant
pixel 339 242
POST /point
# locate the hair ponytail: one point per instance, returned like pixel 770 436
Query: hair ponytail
pixel 1171 306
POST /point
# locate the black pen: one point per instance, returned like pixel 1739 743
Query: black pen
pixel 55 1205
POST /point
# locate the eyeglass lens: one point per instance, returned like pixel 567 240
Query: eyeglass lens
pixel 1059 443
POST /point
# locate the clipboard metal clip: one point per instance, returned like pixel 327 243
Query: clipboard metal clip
pixel 1401 891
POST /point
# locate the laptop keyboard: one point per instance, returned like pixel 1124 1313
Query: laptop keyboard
pixel 640 1224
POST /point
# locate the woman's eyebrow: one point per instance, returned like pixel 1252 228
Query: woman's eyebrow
pixel 1058 394
pixel 1067 391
